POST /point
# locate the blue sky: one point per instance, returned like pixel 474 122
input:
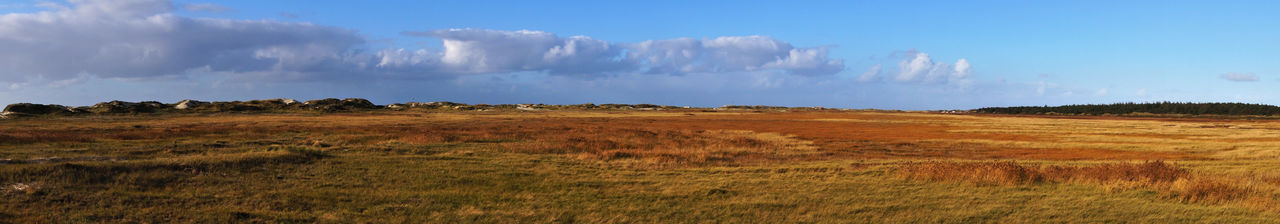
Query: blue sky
pixel 866 54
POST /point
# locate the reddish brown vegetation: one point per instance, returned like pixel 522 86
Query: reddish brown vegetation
pixel 1171 181
pixel 1014 173
pixel 603 142
pixel 687 140
pixel 25 137
pixel 600 135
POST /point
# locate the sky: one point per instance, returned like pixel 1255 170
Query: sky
pixel 909 55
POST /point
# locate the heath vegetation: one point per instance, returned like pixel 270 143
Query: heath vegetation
pixel 562 164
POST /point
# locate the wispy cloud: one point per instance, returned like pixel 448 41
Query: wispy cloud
pixel 871 74
pixel 1239 76
pixel 206 7
pixel 1041 87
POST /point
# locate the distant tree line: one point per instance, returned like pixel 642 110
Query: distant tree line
pixel 1153 107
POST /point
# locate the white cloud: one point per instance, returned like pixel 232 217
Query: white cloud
pixel 1100 92
pixel 919 67
pixel 730 54
pixel 1041 88
pixel 135 38
pixel 1239 76
pixel 914 69
pixel 1141 92
pixel 963 70
pixel 871 74
pixel 811 61
pixel 479 51
pixel 143 39
pixel 206 7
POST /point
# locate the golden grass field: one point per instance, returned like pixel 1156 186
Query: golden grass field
pixel 637 166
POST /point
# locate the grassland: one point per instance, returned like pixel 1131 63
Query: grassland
pixel 637 166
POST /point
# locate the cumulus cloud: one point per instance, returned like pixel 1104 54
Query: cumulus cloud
pixel 1239 77
pixel 139 38
pixel 730 54
pixel 479 51
pixel 919 67
pixel 812 61
pixel 914 69
pixel 482 51
pixel 963 70
pixel 143 39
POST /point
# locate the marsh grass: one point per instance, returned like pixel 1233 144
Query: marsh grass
pixel 1171 181
pixel 608 166
pixel 148 172
pixel 643 146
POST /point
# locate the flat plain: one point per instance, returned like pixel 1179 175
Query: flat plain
pixel 637 166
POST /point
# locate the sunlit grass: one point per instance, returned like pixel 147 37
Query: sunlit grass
pixel 606 166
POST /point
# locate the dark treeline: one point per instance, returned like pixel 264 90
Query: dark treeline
pixel 1154 108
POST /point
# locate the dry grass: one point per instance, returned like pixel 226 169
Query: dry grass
pixel 556 166
pixel 1170 180
pixel 1010 173
pixel 837 135
pixel 653 146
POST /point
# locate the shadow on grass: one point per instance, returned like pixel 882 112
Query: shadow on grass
pixel 150 173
